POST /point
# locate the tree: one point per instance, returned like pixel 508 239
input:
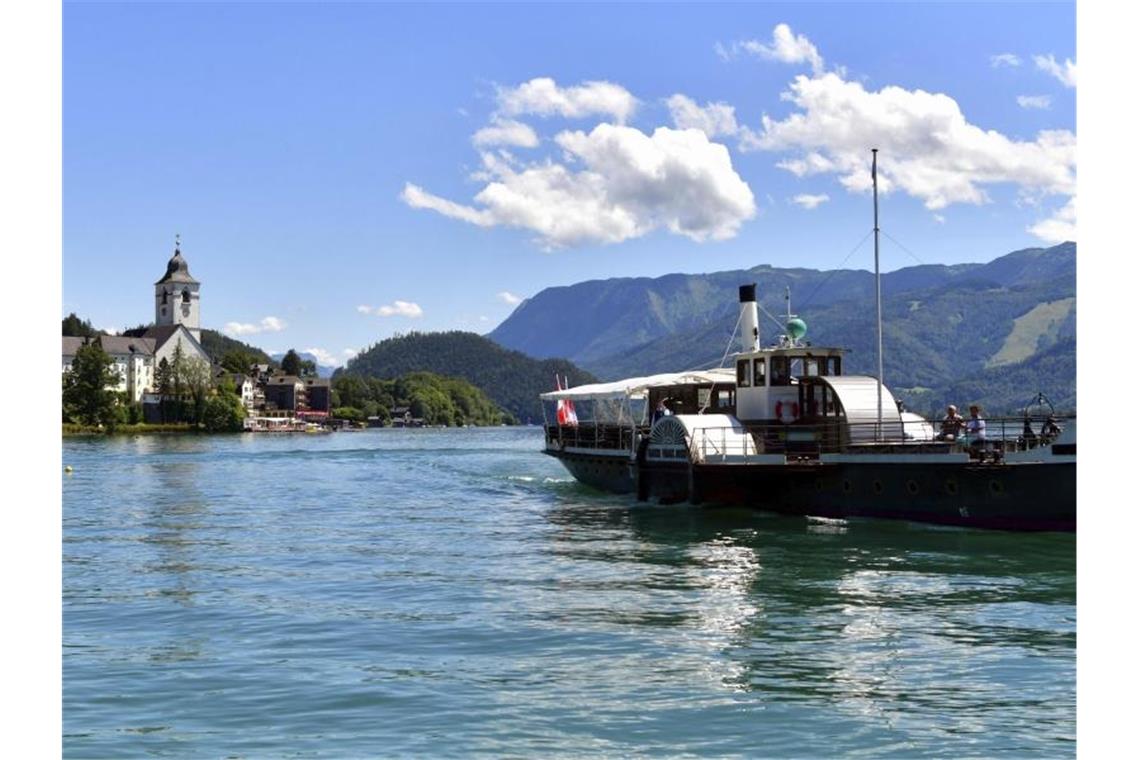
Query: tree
pixel 238 361
pixel 164 380
pixel 177 366
pixel 197 380
pixel 223 413
pixel 74 327
pixel 291 364
pixel 86 397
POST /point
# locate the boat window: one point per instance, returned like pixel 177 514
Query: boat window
pixel 743 376
pixel 833 367
pixel 725 398
pixel 703 397
pixel 758 371
pixel 780 371
pixel 811 367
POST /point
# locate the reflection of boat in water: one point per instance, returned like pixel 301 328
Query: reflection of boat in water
pixel 786 430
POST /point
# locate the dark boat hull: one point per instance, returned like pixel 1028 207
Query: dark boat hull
pixel 614 473
pixel 1019 496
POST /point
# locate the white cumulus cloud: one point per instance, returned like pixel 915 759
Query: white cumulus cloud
pixel 1004 59
pixel 543 97
pixel 785 46
pixel 506 132
pixel 267 324
pixel 928 148
pixel 323 357
pixel 399 309
pixel 1040 102
pixel 1060 227
pixel 714 119
pixel 810 201
pixel 416 197
pixel 508 297
pixel 1065 73
pixel 616 183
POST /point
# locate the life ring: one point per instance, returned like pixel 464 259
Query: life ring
pixel 793 408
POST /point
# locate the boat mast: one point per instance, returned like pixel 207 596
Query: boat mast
pixel 878 287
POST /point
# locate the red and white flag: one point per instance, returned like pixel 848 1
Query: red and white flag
pixel 566 413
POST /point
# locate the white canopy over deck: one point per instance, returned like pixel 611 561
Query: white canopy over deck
pixel 639 386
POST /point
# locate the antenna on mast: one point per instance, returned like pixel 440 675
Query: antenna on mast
pixel 878 288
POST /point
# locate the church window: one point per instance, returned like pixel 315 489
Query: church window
pixel 186 296
pixel 164 296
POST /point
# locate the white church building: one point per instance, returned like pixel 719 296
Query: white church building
pixel 176 322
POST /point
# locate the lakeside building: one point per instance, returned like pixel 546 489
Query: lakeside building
pixel 307 397
pixel 137 357
pixel 133 361
pixel 138 354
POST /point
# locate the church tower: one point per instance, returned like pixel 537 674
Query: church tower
pixel 176 295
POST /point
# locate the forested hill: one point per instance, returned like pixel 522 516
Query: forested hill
pixel 511 379
pixel 217 345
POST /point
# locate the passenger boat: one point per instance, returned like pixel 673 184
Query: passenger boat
pixel 786 430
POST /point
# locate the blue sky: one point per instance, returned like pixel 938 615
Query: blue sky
pixel 435 163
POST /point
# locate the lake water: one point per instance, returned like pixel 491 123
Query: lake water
pixel 454 592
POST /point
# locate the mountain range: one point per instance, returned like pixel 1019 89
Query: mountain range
pixel 995 333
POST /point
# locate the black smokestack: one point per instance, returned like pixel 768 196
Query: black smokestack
pixel 748 293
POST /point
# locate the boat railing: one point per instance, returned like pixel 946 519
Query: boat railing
pixel 590 435
pixel 808 441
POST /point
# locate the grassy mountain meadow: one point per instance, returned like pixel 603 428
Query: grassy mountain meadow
pixel 994 333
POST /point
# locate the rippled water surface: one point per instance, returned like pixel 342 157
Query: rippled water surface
pixel 454 592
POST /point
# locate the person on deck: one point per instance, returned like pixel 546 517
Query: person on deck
pixel 952 425
pixel 976 428
pixel 659 412
pixel 1050 429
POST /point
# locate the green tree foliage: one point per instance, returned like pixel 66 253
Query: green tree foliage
pixel 291 364
pixel 164 385
pixel 196 381
pixel 217 345
pixel 74 327
pixel 435 399
pixel 510 379
pixel 348 413
pixel 223 412
pixel 87 399
pixel 239 361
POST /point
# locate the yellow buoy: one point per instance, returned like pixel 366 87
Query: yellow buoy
pixel 67 468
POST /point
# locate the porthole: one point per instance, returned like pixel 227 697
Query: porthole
pixel 912 487
pixel 951 487
pixel 877 486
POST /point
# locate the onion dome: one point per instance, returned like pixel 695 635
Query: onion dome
pixel 177 270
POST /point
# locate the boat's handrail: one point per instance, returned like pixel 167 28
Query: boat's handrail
pixel 592 435
pixel 809 441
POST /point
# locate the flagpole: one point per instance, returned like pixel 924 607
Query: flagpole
pixel 878 287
